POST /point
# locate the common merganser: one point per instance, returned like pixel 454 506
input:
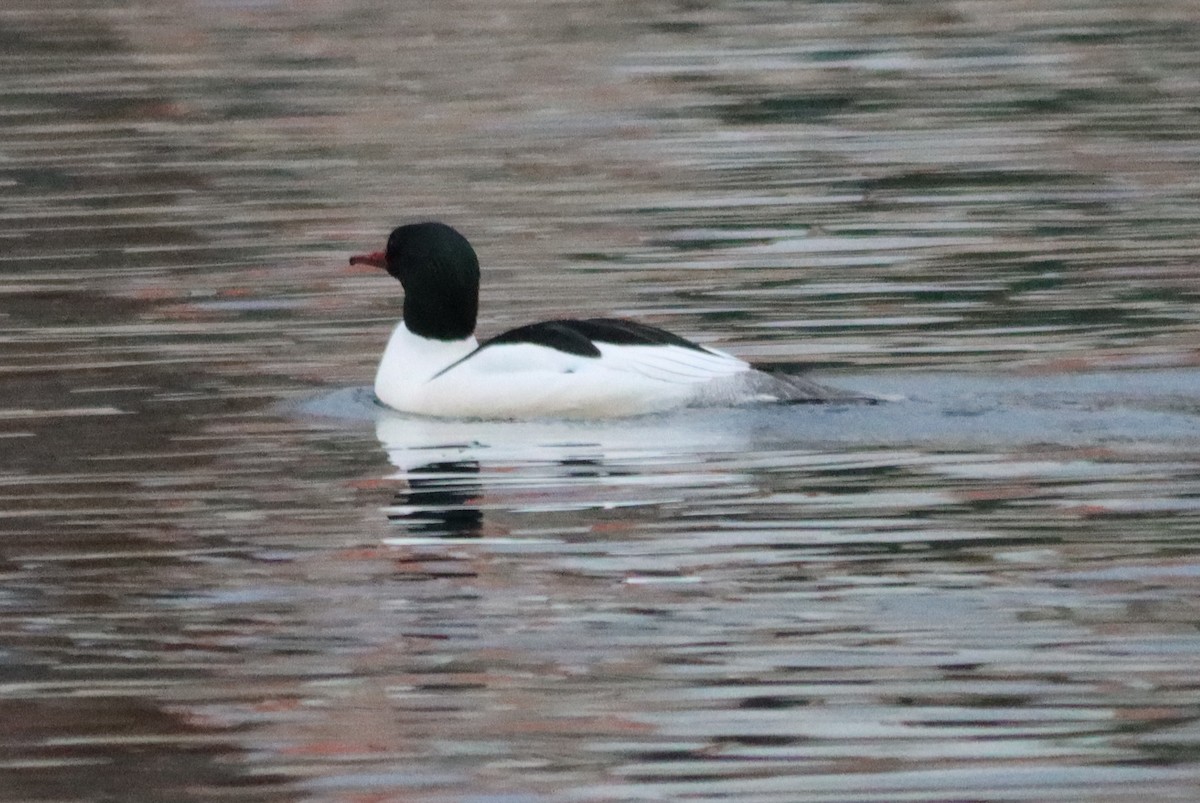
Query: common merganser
pixel 594 368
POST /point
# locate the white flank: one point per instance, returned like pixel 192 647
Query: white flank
pixel 524 380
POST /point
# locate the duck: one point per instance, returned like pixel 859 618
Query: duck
pixel 434 365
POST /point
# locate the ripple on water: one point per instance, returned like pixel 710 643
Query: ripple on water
pixel 221 580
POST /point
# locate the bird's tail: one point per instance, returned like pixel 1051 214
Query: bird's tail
pixel 788 388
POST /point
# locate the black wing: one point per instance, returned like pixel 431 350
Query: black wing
pixel 580 336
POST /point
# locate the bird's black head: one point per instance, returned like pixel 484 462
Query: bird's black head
pixel 440 274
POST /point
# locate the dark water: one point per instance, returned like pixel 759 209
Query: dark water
pixel 228 576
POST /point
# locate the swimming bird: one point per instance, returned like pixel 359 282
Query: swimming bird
pixel 593 368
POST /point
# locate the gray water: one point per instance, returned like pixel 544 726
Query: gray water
pixel 229 575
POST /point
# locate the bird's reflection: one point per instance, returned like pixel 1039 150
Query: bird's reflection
pixel 448 466
pixel 440 501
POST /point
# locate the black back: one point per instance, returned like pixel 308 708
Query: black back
pixel 440 274
pixel 580 336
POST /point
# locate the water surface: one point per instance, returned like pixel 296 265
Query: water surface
pixel 228 575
